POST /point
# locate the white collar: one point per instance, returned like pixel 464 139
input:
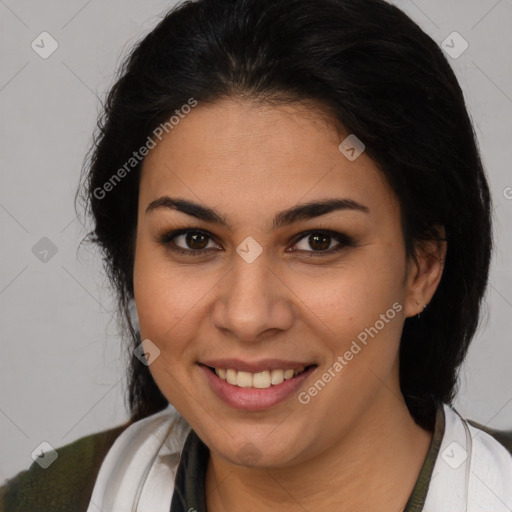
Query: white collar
pixel 138 471
pixel 472 473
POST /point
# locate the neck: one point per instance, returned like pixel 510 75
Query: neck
pixel 374 467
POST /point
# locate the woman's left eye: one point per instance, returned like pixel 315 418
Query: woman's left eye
pixel 195 242
pixel 321 242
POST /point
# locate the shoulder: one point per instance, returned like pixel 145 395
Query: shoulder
pixel 67 483
pixel 504 437
pixel 491 467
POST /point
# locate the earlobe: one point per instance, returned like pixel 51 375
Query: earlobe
pixel 425 273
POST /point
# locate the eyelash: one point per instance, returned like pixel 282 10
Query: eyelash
pixel 343 240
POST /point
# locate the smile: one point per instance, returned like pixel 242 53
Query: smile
pixel 255 386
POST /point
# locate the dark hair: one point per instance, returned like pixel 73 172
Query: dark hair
pixel 378 75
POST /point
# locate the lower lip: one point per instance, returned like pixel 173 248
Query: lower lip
pixel 254 399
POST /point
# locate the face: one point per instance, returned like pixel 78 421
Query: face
pixel 300 309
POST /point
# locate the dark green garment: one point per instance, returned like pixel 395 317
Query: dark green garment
pixel 66 486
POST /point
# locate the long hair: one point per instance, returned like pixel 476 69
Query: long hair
pixel 375 72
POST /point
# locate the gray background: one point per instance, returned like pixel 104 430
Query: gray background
pixel 61 368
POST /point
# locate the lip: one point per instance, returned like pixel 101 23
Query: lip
pixel 253 399
pixel 257 366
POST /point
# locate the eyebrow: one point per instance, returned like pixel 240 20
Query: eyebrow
pixel 297 213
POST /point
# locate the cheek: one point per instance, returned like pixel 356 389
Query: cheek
pixel 156 296
pixel 351 297
pixel 358 319
pixel 168 299
pixel 162 304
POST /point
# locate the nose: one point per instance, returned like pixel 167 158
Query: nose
pixel 253 303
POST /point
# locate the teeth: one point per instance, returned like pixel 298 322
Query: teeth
pixel 276 376
pixel 288 374
pixel 260 380
pixel 244 380
pixel 231 376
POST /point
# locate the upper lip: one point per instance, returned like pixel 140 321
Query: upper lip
pixel 255 366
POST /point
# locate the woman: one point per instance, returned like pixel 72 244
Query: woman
pixel 291 195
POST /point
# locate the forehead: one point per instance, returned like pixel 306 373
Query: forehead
pixel 232 153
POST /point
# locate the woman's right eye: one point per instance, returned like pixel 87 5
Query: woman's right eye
pixel 192 242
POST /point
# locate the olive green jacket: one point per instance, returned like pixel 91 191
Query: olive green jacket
pixel 67 484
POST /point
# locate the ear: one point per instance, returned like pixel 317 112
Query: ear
pixel 424 274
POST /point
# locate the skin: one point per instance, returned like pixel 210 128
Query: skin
pixel 354 446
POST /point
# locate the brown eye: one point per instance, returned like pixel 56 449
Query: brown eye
pixel 188 241
pixel 195 240
pixel 321 242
